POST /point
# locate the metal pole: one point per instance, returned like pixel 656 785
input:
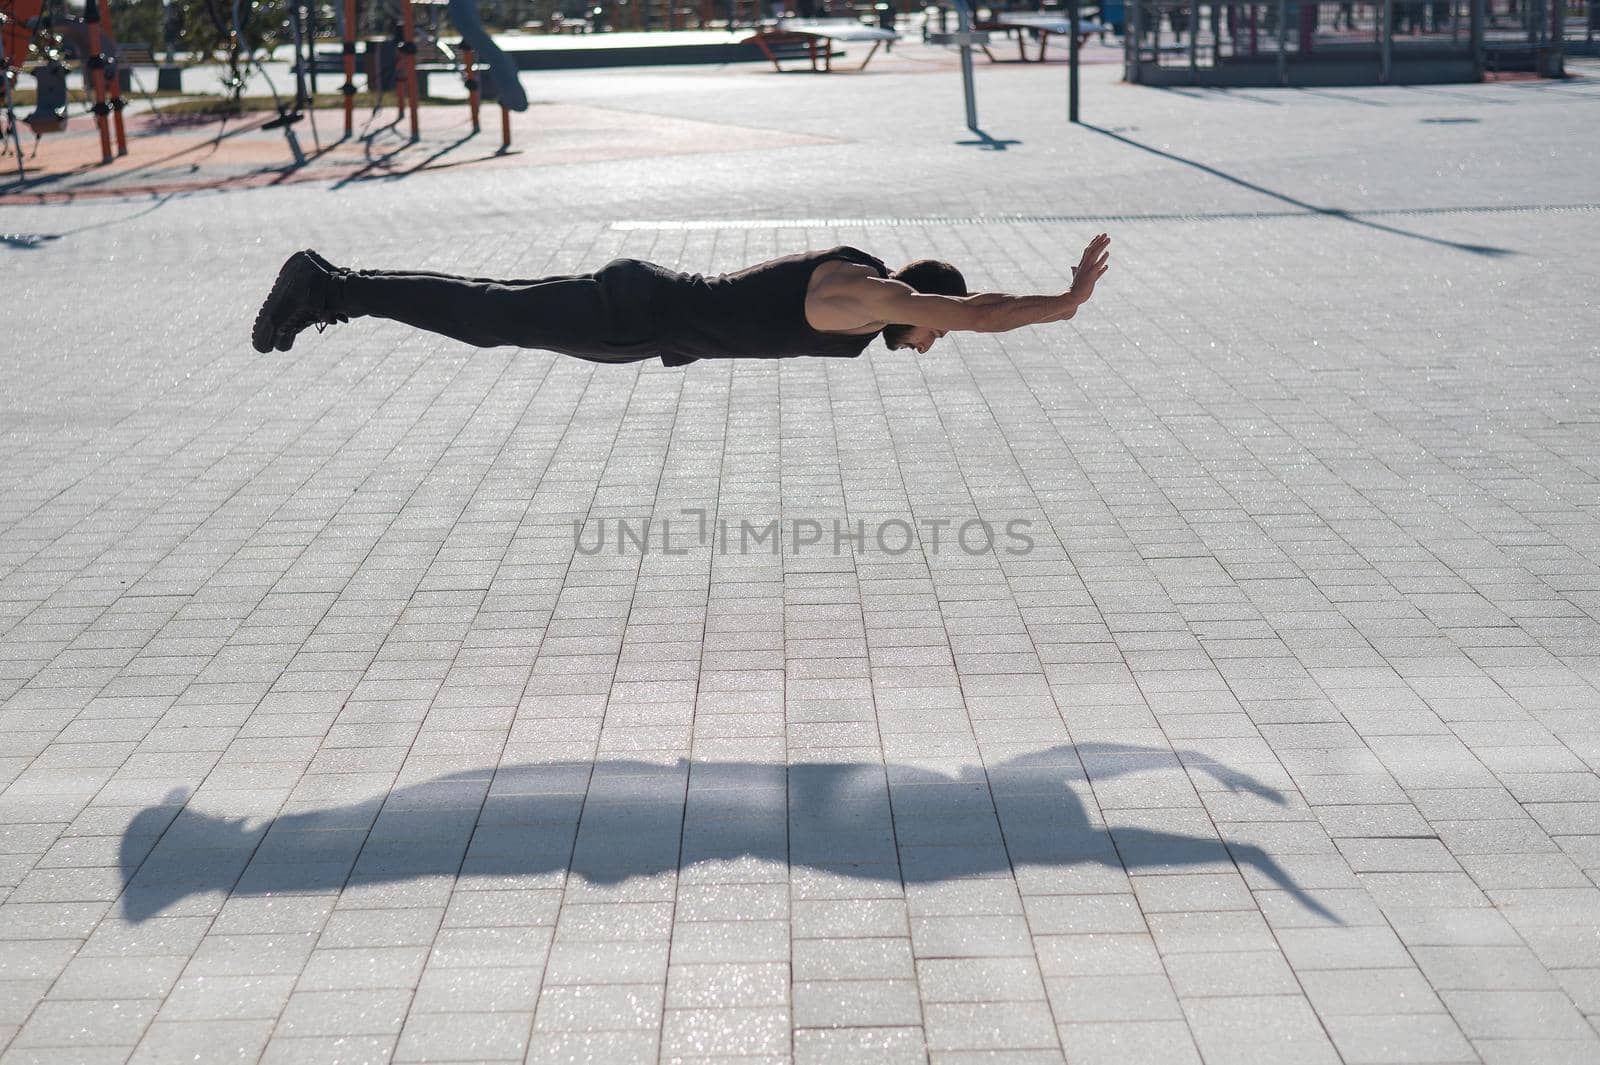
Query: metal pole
pixel 1072 68
pixel 115 80
pixel 406 60
pixel 1194 39
pixel 471 78
pixel 1557 65
pixel 1386 42
pixel 349 86
pixel 964 25
pixel 1477 7
pixel 1283 42
pixel 298 36
pixel 11 114
pixel 1131 30
pixel 95 64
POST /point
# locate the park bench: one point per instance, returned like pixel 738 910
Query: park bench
pixel 137 53
pixel 1046 25
pixel 131 54
pixel 817 37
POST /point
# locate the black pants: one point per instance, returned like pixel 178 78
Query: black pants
pixel 605 316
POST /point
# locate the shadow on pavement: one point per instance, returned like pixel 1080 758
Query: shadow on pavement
pixel 988 143
pixel 1326 212
pixel 612 820
pixel 27 241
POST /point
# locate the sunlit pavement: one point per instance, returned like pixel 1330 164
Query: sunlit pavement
pixel 1210 678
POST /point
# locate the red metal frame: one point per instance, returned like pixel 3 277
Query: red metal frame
pixel 349 87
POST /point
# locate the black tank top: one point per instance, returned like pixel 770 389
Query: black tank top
pixel 758 312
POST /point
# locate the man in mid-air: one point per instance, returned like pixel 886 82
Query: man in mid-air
pixel 830 302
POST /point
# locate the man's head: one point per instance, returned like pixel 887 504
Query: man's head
pixel 930 277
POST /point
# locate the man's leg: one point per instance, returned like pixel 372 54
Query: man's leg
pixel 459 277
pixel 604 316
pixel 565 313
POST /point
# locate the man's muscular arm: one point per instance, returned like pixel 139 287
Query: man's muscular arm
pixel 883 300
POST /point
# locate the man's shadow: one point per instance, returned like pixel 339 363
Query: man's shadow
pixel 610 821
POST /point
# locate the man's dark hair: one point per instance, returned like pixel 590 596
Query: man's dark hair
pixel 931 277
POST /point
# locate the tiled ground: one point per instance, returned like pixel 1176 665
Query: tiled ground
pixel 1267 733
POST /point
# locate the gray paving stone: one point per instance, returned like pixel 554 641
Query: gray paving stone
pixel 1145 1041
pixel 1404 1037
pixel 463 1037
pixel 356 1049
pixel 223 1041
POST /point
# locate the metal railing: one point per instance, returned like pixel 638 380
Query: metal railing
pixel 1266 42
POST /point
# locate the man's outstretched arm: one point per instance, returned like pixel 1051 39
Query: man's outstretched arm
pixel 986 312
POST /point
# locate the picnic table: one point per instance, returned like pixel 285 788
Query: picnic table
pixel 818 37
pixel 1045 25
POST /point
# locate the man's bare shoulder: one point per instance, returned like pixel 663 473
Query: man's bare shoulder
pixel 838 276
pixel 841 294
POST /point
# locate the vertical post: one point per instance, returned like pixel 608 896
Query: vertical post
pixel 407 60
pixel 1556 64
pixel 505 128
pixel 298 36
pixel 1132 28
pixel 311 49
pixel 1283 42
pixel 96 63
pixel 1385 40
pixel 1194 39
pixel 169 30
pixel 349 86
pixel 471 78
pixel 115 78
pixel 1477 8
pixel 964 26
pixel 5 86
pixel 1072 64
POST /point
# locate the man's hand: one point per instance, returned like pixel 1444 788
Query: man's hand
pixel 1095 262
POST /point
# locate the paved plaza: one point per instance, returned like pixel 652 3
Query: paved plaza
pixel 1212 678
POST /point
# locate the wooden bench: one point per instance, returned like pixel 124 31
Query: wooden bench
pixel 818 36
pixel 131 54
pixel 1045 25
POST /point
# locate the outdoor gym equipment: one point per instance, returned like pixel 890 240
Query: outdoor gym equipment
pixel 14 40
pixel 477 42
pixel 288 115
pixel 25 23
pixel 968 38
pixel 102 69
pixel 478 52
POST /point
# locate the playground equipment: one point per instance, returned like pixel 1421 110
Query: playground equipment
pixel 245 43
pixel 26 26
pixel 478 52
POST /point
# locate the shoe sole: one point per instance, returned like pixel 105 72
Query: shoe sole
pixel 263 334
pixel 284 343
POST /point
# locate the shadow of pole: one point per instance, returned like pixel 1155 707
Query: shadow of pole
pixel 1326 212
pixel 611 821
pixel 986 142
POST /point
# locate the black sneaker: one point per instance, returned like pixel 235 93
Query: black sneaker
pixel 321 305
pixel 301 296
